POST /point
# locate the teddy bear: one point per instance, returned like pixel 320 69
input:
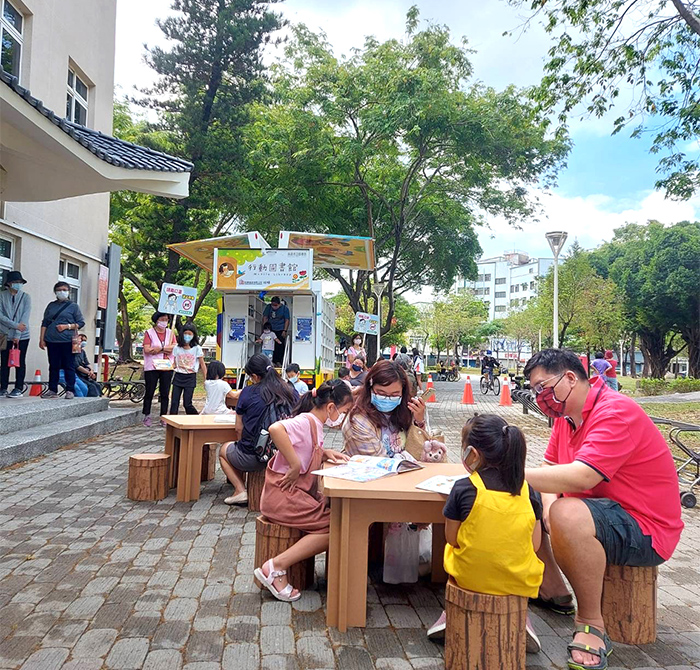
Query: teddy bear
pixel 434 452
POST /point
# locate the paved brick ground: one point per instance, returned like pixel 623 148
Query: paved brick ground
pixel 89 579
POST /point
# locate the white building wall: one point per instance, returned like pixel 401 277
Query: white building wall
pixel 59 34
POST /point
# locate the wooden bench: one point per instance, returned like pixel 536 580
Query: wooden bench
pixel 254 485
pixel 271 539
pixel 484 632
pixel 209 462
pixel 629 604
pixel 148 477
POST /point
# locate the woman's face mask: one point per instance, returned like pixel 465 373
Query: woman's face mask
pixel 62 295
pixel 358 343
pixel 162 325
pixel 16 287
pixel 293 379
pixel 82 345
pixel 357 368
pixel 385 404
pixel 187 338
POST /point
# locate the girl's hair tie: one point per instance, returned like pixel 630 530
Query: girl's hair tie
pixel 505 429
pixel 269 367
pixel 313 392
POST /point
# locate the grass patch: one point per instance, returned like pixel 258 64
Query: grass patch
pixel 688 412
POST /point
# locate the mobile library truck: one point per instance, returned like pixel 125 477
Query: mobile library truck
pixel 247 273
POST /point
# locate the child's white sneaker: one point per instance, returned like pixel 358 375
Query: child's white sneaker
pixel 532 646
pixel 437 631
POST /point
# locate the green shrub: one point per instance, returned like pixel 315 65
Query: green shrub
pixel 653 386
pixel 684 385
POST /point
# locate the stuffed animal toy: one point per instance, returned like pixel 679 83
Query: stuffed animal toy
pixel 434 452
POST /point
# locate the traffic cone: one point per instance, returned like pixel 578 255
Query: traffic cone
pixel 36 386
pixel 430 384
pixel 429 395
pixel 506 400
pixel 468 395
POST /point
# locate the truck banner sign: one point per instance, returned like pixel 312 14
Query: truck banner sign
pixel 263 269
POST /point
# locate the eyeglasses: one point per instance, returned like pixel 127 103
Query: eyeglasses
pixel 540 386
pixel 386 395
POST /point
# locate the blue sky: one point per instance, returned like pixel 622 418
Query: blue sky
pixel 609 180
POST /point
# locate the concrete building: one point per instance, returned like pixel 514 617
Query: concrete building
pixel 57 168
pixel 506 283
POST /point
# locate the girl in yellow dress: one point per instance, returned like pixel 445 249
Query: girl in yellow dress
pixel 492 518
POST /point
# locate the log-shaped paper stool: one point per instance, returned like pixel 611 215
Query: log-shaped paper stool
pixel 254 485
pixel 629 604
pixel 148 476
pixel 484 632
pixel 271 540
pixel 208 462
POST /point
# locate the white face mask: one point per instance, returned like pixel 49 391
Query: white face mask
pixel 162 325
pixel 334 424
pixel 358 343
pixel 62 295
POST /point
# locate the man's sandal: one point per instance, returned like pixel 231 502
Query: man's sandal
pixel 601 652
pixel 559 604
pixel 285 594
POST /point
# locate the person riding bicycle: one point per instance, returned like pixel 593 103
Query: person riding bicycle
pixel 488 364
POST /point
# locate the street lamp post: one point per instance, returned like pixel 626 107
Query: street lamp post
pixel 378 289
pixel 556 241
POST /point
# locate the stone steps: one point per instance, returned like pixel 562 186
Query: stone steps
pixel 17 414
pixel 58 431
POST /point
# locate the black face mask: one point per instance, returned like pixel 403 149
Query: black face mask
pixel 357 368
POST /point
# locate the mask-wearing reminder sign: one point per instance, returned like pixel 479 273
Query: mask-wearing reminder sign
pixel 366 323
pixel 178 300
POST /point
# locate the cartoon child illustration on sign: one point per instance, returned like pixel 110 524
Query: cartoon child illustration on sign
pixel 227 274
pixel 172 301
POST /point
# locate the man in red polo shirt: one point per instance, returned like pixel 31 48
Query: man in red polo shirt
pixel 609 492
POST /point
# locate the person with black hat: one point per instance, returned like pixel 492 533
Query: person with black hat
pixel 15 308
pixel 158 345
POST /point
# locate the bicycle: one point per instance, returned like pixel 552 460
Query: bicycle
pixel 116 388
pixel 489 382
pixel 452 375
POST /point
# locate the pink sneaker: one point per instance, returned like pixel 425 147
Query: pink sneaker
pixel 437 630
pixel 147 422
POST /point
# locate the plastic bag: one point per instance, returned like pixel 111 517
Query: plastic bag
pixel 401 551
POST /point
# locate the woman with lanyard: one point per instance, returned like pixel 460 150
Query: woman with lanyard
pixel 158 344
pixel 355 351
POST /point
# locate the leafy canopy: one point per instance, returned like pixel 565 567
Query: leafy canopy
pixel 638 57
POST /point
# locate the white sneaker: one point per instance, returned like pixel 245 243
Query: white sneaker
pixel 238 499
pixel 532 645
pixel 437 631
pixel 69 395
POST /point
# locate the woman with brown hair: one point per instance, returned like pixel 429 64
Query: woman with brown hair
pixel 383 413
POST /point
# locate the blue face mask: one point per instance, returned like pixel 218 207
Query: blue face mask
pixel 292 379
pixel 187 339
pixel 384 404
pixel 16 287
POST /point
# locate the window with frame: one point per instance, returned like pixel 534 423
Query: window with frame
pixel 487 290
pixel 480 278
pixel 500 294
pixel 532 285
pixel 76 99
pixel 500 308
pixel 70 272
pixel 11 31
pixel 500 280
pixel 487 277
pixel 7 255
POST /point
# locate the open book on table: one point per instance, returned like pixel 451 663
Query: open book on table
pixel 368 468
pixel 440 483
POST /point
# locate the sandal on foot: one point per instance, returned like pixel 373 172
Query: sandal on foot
pixel 285 595
pixel 559 604
pixel 601 652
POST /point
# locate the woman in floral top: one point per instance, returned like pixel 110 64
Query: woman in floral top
pixel 384 411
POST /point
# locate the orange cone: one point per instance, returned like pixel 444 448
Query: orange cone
pixel 429 395
pixel 36 387
pixel 506 400
pixel 468 395
pixel 430 384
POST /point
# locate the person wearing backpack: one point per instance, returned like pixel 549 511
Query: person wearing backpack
pixel 266 400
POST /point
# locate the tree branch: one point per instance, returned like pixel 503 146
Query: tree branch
pixel 688 15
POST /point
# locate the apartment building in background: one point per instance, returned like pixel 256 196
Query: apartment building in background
pixel 58 162
pixel 506 283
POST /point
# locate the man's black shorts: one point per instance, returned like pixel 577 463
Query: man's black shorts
pixel 621 537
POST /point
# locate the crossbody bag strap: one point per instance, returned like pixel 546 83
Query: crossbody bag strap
pixel 58 313
pixel 19 304
pixel 314 433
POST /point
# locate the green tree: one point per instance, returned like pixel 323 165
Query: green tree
pixel 658 270
pixel 395 142
pixel 524 327
pixel 206 81
pixel 641 55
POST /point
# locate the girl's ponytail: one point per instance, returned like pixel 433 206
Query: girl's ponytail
pixel 513 465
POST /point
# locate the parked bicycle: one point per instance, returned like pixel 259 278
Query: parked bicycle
pixel 117 388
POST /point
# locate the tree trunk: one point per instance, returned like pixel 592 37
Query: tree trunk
pixel 691 336
pixel 633 356
pixel 657 355
pixel 124 337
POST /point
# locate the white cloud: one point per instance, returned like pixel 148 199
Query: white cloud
pixel 591 220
